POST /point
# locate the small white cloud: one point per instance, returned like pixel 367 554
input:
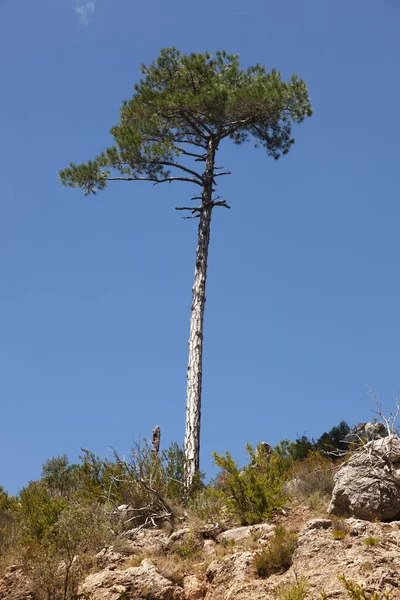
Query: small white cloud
pixel 83 11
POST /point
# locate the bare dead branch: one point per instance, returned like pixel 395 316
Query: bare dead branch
pixel 391 419
pixel 221 174
pixel 221 203
pixel 191 208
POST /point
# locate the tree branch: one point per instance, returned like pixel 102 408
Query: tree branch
pixel 169 179
pixel 196 124
pixel 131 179
pixel 198 157
pixel 220 174
pixel 178 166
pixel 221 203
pixel 191 208
pixel 181 140
pixel 155 180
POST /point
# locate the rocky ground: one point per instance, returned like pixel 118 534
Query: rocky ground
pixel 191 565
pixel 202 561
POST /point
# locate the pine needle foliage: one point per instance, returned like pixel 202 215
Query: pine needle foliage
pixel 183 99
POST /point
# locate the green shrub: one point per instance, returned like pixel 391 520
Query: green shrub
pixel 357 592
pixel 292 591
pixel 8 514
pixel 297 450
pixel 254 493
pixel 339 528
pixel 80 531
pixel 334 441
pixel 39 511
pixel 371 541
pixel 189 547
pixel 59 477
pixel 277 556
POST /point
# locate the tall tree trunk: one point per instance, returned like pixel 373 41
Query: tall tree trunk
pixel 195 363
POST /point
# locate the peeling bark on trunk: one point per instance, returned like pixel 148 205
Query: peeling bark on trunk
pixel 195 362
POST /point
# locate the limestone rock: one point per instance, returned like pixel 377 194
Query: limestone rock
pixel 146 540
pixel 15 585
pixel 236 566
pixel 210 530
pixel 131 583
pixel 108 556
pixel 238 534
pixel 233 578
pixel 181 538
pixel 366 431
pixel 319 557
pixel 209 550
pixel 318 524
pixel 367 486
pixel 193 588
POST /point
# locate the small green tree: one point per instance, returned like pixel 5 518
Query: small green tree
pixel 81 529
pixel 255 492
pixel 334 441
pixel 297 450
pixel 8 510
pixel 59 476
pixel 39 511
pixel 59 560
pixel 181 111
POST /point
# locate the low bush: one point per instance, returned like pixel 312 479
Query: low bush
pixel 339 528
pixel 277 556
pixel 357 592
pixel 292 591
pixel 189 548
pixel 148 484
pixel 254 493
pixel 63 555
pixel 371 541
pixel 208 505
pixel 311 476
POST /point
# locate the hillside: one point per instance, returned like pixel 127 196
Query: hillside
pixel 118 530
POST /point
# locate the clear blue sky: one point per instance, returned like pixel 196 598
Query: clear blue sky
pixel 303 288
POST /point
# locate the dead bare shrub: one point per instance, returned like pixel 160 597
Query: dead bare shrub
pixel 312 476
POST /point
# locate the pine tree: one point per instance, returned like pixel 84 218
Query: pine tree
pixel 181 110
